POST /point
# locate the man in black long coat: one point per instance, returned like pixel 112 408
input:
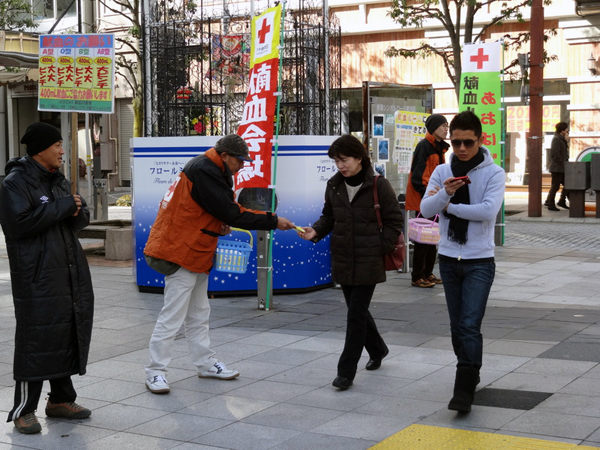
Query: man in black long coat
pixel 50 279
pixel 559 155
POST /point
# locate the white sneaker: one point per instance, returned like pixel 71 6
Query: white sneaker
pixel 219 371
pixel 158 385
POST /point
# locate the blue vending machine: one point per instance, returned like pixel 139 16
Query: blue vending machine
pixel 303 169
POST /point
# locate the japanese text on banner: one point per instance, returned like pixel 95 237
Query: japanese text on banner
pixel 256 125
pixel 480 92
pixel 76 73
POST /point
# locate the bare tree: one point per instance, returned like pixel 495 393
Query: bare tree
pixel 450 15
pixel 128 56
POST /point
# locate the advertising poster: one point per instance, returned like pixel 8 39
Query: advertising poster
pixel 378 125
pixel 304 169
pixel 77 73
pixel 383 150
pixel 409 129
pixel 517 118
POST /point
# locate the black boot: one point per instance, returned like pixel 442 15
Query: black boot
pixel 464 389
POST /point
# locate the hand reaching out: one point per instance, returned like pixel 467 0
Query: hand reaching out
pixel 309 233
pixel 284 224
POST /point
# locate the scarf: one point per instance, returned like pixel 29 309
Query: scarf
pixel 356 180
pixel 457 227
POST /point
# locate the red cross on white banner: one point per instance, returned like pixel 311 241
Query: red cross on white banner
pixel 263 31
pixel 479 58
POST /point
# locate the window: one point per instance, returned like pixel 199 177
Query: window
pixel 52 9
pixel 42 9
pixel 113 5
pixel 69 5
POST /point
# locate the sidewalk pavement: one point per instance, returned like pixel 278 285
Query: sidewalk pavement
pixel 540 377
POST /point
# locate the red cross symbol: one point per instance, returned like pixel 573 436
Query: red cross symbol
pixel 171 190
pixel 264 30
pixel 480 58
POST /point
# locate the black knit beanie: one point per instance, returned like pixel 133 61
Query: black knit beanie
pixel 434 121
pixel 39 136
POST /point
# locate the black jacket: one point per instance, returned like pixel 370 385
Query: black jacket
pixel 559 153
pixel 50 277
pixel 357 247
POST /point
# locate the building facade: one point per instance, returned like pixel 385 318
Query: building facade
pixel 571 79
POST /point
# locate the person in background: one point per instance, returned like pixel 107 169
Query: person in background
pixel 559 155
pixel 466 255
pixel 428 154
pixel 357 248
pixel 50 279
pixel 197 209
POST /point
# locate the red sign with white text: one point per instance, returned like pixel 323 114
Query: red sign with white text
pixel 256 125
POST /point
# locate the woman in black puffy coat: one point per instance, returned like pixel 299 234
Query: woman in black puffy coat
pixel 357 247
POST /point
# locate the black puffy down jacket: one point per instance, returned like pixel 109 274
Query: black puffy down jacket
pixel 357 246
pixel 50 277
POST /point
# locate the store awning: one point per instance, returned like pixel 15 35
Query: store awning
pixel 19 59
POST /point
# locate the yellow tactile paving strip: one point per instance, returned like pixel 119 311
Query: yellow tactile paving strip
pixel 424 437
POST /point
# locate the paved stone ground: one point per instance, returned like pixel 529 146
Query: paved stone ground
pixel 579 236
pixel 541 334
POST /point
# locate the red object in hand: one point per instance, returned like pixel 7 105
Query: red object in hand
pixel 465 179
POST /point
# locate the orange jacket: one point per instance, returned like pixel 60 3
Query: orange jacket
pixel 427 156
pixel 192 211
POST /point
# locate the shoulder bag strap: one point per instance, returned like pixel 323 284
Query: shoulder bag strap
pixel 376 205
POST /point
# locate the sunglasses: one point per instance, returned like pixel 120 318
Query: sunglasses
pixel 468 143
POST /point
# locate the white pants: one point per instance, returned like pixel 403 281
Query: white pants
pixel 186 302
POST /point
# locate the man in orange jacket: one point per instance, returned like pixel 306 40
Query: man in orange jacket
pixel 428 154
pixel 197 209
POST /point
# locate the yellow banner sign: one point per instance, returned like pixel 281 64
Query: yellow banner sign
pixel 517 118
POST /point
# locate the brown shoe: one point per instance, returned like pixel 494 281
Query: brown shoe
pixel 27 424
pixel 68 410
pixel 422 283
pixel 433 279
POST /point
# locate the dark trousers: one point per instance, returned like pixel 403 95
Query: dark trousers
pixel 423 260
pixel 558 178
pixel 27 395
pixel 467 287
pixel 361 331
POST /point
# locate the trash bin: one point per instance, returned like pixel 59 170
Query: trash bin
pixel 577 181
pixel 595 180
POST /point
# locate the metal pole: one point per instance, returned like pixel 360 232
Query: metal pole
pixel 147 70
pixel 269 292
pixel 88 165
pixel 536 89
pixel 326 58
pixel 74 153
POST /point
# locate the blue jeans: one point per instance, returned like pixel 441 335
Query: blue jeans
pixel 467 287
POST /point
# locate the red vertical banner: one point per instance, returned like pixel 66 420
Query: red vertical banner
pixel 256 125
